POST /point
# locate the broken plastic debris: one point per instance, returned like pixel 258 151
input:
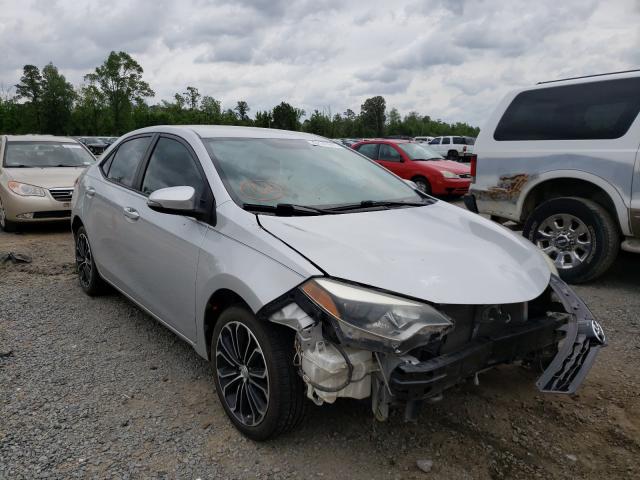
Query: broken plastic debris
pixel 15 258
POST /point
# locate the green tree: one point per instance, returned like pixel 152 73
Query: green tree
pixel 242 109
pixel 319 123
pixel 120 80
pixel 394 123
pixel 89 112
pixel 211 110
pixel 30 89
pixel 373 116
pixel 263 119
pixel 286 117
pixel 57 101
pixel 192 97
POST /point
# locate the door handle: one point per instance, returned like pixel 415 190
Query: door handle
pixel 91 191
pixel 131 213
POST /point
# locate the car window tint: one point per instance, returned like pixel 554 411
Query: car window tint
pixel 435 141
pixel 369 149
pixel 389 154
pixel 593 110
pixel 171 165
pixel 126 160
pixel 446 141
pixel 459 141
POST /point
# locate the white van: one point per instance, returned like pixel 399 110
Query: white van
pixel 561 159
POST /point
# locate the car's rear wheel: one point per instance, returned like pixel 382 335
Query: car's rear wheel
pixel 579 235
pixel 5 224
pixel 255 377
pixel 453 155
pixel 90 280
pixel 422 184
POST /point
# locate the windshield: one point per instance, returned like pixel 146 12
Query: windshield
pixel 302 172
pixel 419 152
pixel 46 154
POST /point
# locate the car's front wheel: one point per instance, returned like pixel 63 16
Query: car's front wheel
pixel 5 224
pixel 422 184
pixel 578 234
pixel 88 276
pixel 255 377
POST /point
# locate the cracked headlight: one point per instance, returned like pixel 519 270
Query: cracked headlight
pixel 376 320
pixel 25 190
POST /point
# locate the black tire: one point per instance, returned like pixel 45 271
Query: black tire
pixel 5 224
pixel 453 155
pixel 601 230
pixel 88 276
pixel 422 184
pixel 286 403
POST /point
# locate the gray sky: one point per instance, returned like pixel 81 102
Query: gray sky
pixel 451 59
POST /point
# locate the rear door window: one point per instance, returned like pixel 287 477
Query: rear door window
pixel 370 150
pixel 122 167
pixel 594 111
pixel 389 153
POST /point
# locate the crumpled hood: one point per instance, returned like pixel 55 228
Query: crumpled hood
pixel 439 253
pixel 448 165
pixel 56 177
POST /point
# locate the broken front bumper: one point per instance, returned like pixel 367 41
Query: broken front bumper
pixel 580 335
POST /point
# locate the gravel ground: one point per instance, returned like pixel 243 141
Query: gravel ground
pixel 94 388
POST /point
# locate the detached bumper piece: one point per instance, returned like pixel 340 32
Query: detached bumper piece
pixel 423 380
pixel 575 357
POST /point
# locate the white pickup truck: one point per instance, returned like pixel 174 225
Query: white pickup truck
pixel 454 147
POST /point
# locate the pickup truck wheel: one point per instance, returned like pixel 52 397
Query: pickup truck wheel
pixel 578 234
pixel 453 155
pixel 422 184
pixel 255 377
pixel 90 280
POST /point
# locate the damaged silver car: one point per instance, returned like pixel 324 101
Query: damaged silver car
pixel 305 271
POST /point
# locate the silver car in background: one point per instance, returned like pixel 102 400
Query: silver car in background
pixel 305 271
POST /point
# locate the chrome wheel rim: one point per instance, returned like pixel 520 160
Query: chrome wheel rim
pixel 242 374
pixel 566 239
pixel 84 264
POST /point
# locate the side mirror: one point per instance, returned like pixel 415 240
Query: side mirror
pixel 412 184
pixel 174 200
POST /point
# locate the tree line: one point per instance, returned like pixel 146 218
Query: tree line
pixel 114 100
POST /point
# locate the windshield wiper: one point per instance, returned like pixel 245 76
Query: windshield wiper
pixel 381 203
pixel 286 209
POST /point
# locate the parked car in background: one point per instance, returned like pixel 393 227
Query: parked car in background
pixel 416 162
pixel 454 147
pixel 561 159
pixel 37 174
pixel 302 269
pixel 423 139
pixel 95 144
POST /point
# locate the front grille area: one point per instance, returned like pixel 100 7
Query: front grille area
pixel 61 194
pixel 53 214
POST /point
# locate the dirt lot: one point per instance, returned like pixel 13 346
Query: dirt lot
pixel 94 388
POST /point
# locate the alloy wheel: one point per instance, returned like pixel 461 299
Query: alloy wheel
pixel 566 239
pixel 242 373
pixel 84 261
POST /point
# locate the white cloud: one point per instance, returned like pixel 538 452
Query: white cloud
pixel 450 59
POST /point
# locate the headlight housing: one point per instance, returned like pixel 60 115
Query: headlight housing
pixel 25 190
pixel 447 174
pixel 375 320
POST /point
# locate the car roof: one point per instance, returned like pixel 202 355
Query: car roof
pixel 385 140
pixel 228 131
pixel 585 79
pixel 39 138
